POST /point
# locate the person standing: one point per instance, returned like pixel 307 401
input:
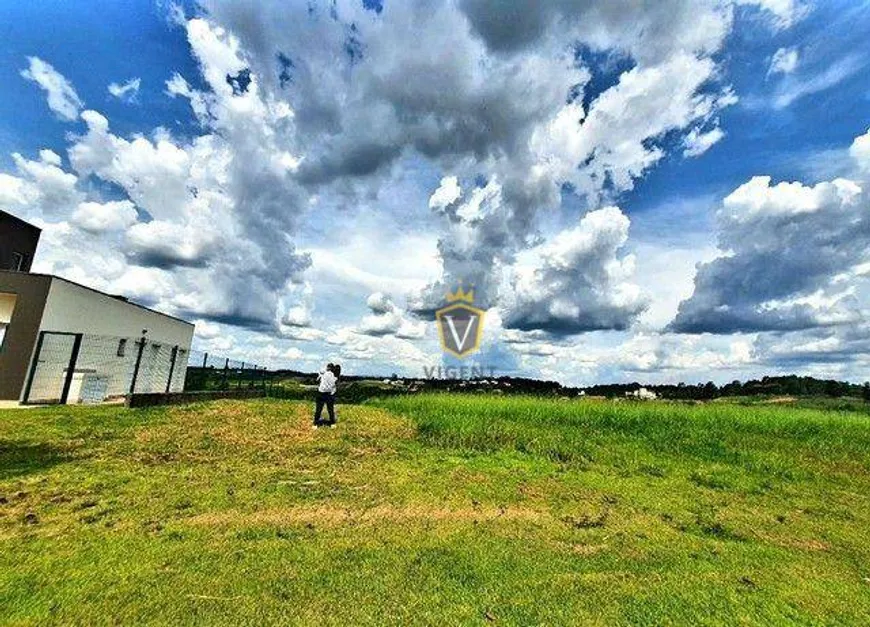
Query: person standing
pixel 325 396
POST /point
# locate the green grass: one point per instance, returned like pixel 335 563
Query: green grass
pixel 843 403
pixel 437 510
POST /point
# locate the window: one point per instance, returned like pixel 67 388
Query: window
pixel 122 347
pixel 7 307
pixel 18 261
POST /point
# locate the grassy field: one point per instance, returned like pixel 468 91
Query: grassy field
pixel 440 510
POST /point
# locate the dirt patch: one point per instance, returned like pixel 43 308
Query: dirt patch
pixel 330 515
pixel 230 427
pixel 804 544
pixel 779 400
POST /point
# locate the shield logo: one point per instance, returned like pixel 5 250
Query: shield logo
pixel 460 325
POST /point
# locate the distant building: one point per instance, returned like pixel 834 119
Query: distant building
pixel 642 394
pixel 64 342
pixel 18 241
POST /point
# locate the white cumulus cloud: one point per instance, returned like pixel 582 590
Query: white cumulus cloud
pixel 126 91
pixel 110 216
pixel 447 193
pixel 784 61
pixel 579 282
pixel 789 254
pixel 62 97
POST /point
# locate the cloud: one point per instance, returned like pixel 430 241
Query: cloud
pixel 300 314
pixel 579 282
pixel 794 88
pixel 207 330
pixel 446 194
pixel 397 353
pixel 167 245
pixel 847 345
pixel 220 210
pixel 42 189
pixel 315 136
pixel 615 141
pixel 635 28
pixel 223 204
pixel 697 143
pixel 647 356
pixel 297 317
pixel 667 272
pixel 496 102
pixel 785 13
pixel 360 261
pixel 294 354
pixel 111 216
pixel 379 303
pixel 860 152
pixel 530 343
pixel 387 319
pixel 301 334
pixel 648 353
pixel 599 152
pixel 648 32
pixel 789 254
pixel 156 175
pixel 784 61
pixel 127 91
pixel 62 98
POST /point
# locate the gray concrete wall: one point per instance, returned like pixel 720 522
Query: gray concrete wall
pixel 31 293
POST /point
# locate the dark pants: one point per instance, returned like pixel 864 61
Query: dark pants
pixel 325 398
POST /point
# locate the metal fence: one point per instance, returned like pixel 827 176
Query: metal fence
pixel 207 371
pixel 82 368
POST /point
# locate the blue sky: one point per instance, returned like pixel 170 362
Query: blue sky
pixel 92 44
pixel 783 141
pixel 620 235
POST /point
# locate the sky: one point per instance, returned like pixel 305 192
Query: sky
pixel 656 192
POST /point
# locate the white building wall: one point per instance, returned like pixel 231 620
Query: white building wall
pixel 76 309
pixel 104 321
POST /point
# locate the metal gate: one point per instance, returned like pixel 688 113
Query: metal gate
pixel 74 367
pixel 51 372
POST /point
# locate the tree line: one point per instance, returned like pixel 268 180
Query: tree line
pixel 791 385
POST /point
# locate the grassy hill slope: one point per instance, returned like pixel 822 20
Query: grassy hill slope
pixel 435 510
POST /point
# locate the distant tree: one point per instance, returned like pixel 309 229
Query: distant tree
pixel 832 388
pixel 710 390
pixel 865 392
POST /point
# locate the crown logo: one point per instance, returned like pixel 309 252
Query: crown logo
pixel 460 295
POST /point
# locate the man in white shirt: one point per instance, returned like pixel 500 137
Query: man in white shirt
pixel 326 396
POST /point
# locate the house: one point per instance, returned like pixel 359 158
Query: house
pixel 18 241
pixel 61 342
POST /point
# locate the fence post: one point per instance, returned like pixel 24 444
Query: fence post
pixel 204 360
pixel 171 367
pixel 33 367
pixel 226 385
pixel 141 344
pixel 70 370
